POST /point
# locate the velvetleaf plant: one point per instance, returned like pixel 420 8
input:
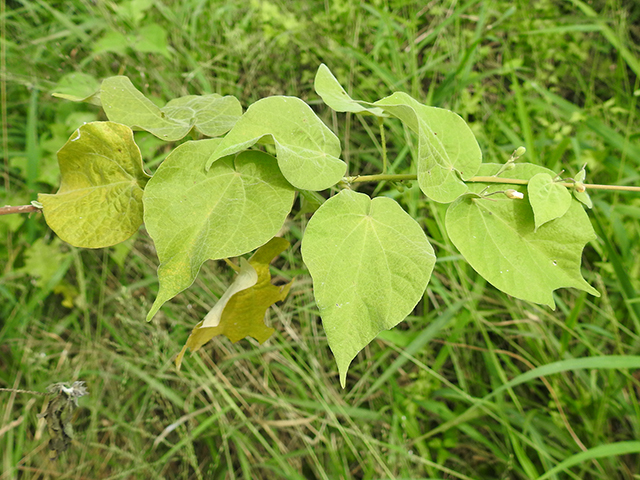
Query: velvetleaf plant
pixel 517 224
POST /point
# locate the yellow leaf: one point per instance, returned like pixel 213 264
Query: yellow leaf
pixel 240 311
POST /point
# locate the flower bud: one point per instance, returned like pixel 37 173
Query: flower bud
pixel 520 151
pixel 514 194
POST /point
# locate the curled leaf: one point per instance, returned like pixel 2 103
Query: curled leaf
pixel 240 311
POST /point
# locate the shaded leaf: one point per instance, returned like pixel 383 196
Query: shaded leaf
pixel 448 152
pixel 211 115
pixel 549 200
pixel 370 263
pixel 240 311
pixel 100 198
pixel 332 93
pixel 306 149
pixel 497 236
pixel 194 215
pixel 78 87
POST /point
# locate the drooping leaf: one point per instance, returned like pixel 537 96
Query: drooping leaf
pixel 307 150
pixel 100 198
pixel 370 263
pixel 332 93
pixel 549 200
pixel 212 115
pixel 240 311
pixel 448 152
pixel 497 236
pixel 194 215
pixel 582 196
pixel 78 87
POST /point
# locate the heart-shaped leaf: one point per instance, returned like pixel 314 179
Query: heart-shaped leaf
pixel 307 150
pixel 498 237
pixel 194 215
pixel 370 263
pixel 447 148
pixel 212 115
pixel 100 198
pixel 240 311
pixel 549 200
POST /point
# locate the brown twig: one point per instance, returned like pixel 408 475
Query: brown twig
pixel 8 209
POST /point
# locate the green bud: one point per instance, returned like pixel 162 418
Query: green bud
pixel 520 151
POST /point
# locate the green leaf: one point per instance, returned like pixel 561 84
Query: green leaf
pixel 448 152
pixel 100 198
pixel 332 93
pixel 195 215
pixel 240 311
pixel 497 236
pixel 370 263
pixel 307 150
pixel 549 200
pixel 78 87
pixel 212 115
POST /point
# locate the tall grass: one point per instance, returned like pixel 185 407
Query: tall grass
pixel 473 385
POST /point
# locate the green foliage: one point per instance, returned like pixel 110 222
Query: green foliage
pixel 549 75
pixel 370 263
pixel 306 149
pixel 195 215
pixel 208 201
pixel 502 241
pixel 100 198
pixel 212 115
pixel 548 199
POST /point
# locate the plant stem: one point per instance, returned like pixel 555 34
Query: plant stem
pixel 383 141
pixel 18 209
pixel 513 181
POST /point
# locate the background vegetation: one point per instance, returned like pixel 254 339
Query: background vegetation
pixel 558 77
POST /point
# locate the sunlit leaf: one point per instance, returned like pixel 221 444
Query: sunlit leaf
pixel 448 152
pixel 549 200
pixel 497 236
pixel 240 311
pixel 370 263
pixel 332 93
pixel 195 215
pixel 306 149
pixel 100 198
pixel 212 115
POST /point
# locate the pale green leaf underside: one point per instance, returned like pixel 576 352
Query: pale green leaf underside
pixel 100 198
pixel 549 200
pixel 212 115
pixel 332 93
pixel 195 215
pixel 370 263
pixel 307 151
pixel 447 148
pixel 497 236
pixel 78 87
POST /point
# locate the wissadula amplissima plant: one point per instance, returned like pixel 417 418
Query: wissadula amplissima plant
pixel 518 225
